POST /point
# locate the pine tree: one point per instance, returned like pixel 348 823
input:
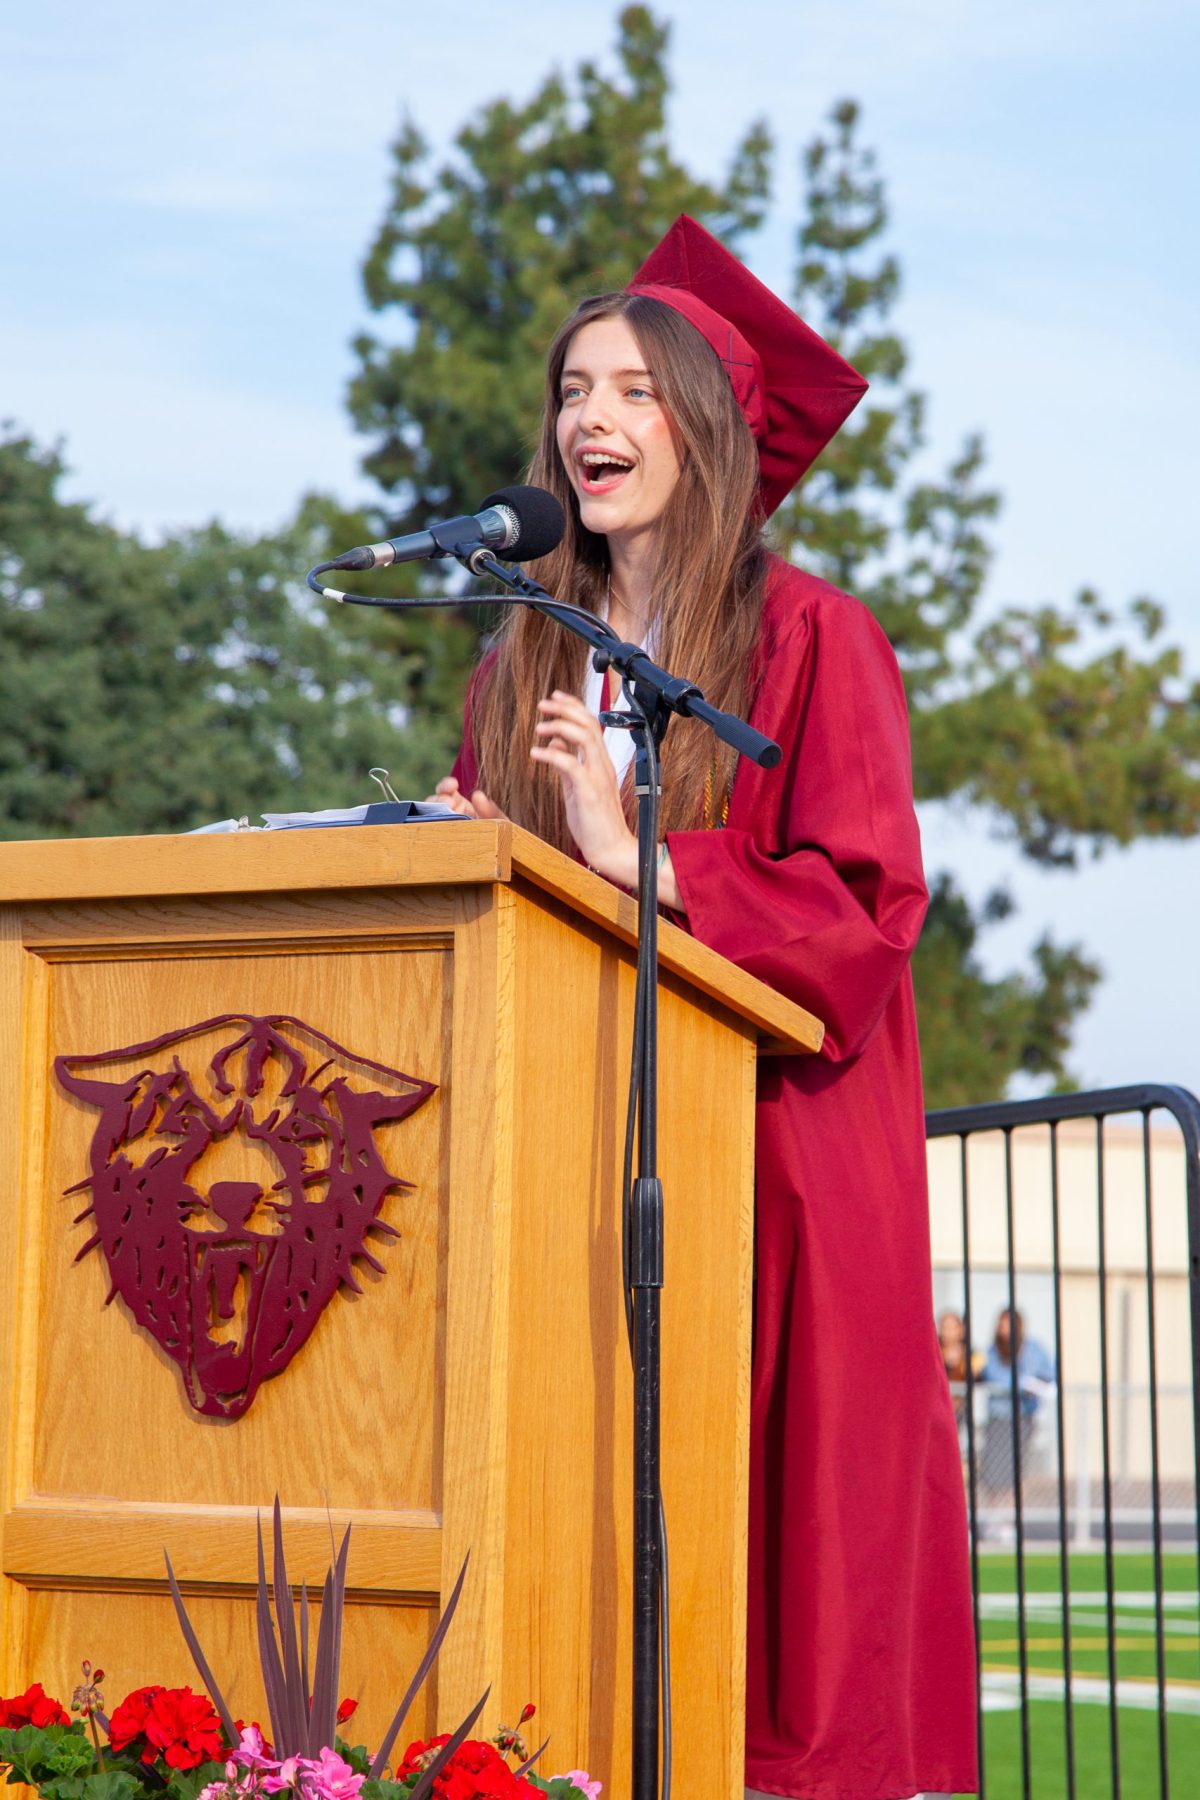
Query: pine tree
pixel 478 262
pixel 1047 719
pixel 1064 737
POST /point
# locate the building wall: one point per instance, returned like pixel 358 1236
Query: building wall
pixel 1123 1164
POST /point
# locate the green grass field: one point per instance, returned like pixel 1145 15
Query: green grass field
pixel 1136 1667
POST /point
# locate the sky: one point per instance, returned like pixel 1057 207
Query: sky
pixel 187 193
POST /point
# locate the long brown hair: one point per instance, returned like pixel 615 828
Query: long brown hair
pixel 709 587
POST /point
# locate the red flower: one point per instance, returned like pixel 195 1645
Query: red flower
pixel 129 1719
pixel 417 1753
pixel 476 1771
pixel 177 1724
pixel 33 1707
pixel 346 1710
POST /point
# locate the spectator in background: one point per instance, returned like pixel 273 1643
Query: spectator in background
pixel 958 1363
pixel 952 1338
pixel 1035 1377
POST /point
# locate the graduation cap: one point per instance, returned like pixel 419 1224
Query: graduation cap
pixel 794 391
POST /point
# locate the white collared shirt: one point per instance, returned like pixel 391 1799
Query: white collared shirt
pixel 617 742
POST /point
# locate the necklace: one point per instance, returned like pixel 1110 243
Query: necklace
pixel 610 596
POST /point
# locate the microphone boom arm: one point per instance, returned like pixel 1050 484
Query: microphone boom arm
pixel 668 692
pixel 665 693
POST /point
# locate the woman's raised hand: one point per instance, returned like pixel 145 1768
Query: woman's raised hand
pixel 571 742
pixel 477 807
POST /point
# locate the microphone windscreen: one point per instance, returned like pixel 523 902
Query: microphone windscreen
pixel 540 520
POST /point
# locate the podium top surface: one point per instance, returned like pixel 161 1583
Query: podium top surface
pixel 46 871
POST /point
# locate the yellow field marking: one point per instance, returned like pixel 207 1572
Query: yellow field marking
pixel 990 1668
pixel 1036 1644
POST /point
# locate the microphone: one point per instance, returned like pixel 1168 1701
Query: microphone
pixel 524 519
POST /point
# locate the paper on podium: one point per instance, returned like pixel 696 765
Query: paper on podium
pixel 376 812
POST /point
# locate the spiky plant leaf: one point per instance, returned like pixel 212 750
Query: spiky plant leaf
pixel 199 1658
pixel 424 1786
pixel 294 1691
pixel 304 1635
pixel 423 1668
pixel 269 1662
pixel 530 1760
pixel 322 1725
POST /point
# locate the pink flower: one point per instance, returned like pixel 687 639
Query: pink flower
pixel 581 1779
pixel 263 1771
pixel 326 1777
pixel 251 1750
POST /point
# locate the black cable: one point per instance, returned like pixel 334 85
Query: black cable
pixel 641 1012
pixel 670 694
pixel 403 603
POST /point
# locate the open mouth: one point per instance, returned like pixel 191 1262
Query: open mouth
pixel 600 471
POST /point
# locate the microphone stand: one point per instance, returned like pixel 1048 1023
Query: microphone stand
pixel 654 696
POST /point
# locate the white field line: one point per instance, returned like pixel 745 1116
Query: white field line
pixel 1004 1606
pixel 1130 1622
pixel 1003 1692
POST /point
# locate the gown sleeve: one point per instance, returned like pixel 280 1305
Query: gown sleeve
pixel 466 766
pixel 464 771
pixel 815 885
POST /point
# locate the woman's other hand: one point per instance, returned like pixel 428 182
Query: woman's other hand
pixel 570 741
pixel 478 806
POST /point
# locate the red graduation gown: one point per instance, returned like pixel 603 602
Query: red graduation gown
pixel 860 1669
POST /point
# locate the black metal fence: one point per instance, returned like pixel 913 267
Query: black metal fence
pixel 1067 1266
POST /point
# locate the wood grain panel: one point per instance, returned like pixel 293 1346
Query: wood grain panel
pixel 479 1274
pixel 111 1545
pixel 16 1339
pixel 369 1372
pixel 476 1395
pixel 220 921
pixel 570 1400
pixel 246 862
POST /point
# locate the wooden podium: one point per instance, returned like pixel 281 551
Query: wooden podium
pixel 475 1394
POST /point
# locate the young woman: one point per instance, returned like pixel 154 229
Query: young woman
pixel 678 414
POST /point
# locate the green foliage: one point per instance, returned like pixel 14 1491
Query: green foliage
pixel 1066 743
pixel 154 688
pixel 1060 734
pixel 34 1752
pixel 151 688
pixel 1019 1022
pixel 479 262
pixel 107 1784
pixel 186 1784
pixel 357 1755
pixel 62 1763
pixel 1057 736
pixel 1033 714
